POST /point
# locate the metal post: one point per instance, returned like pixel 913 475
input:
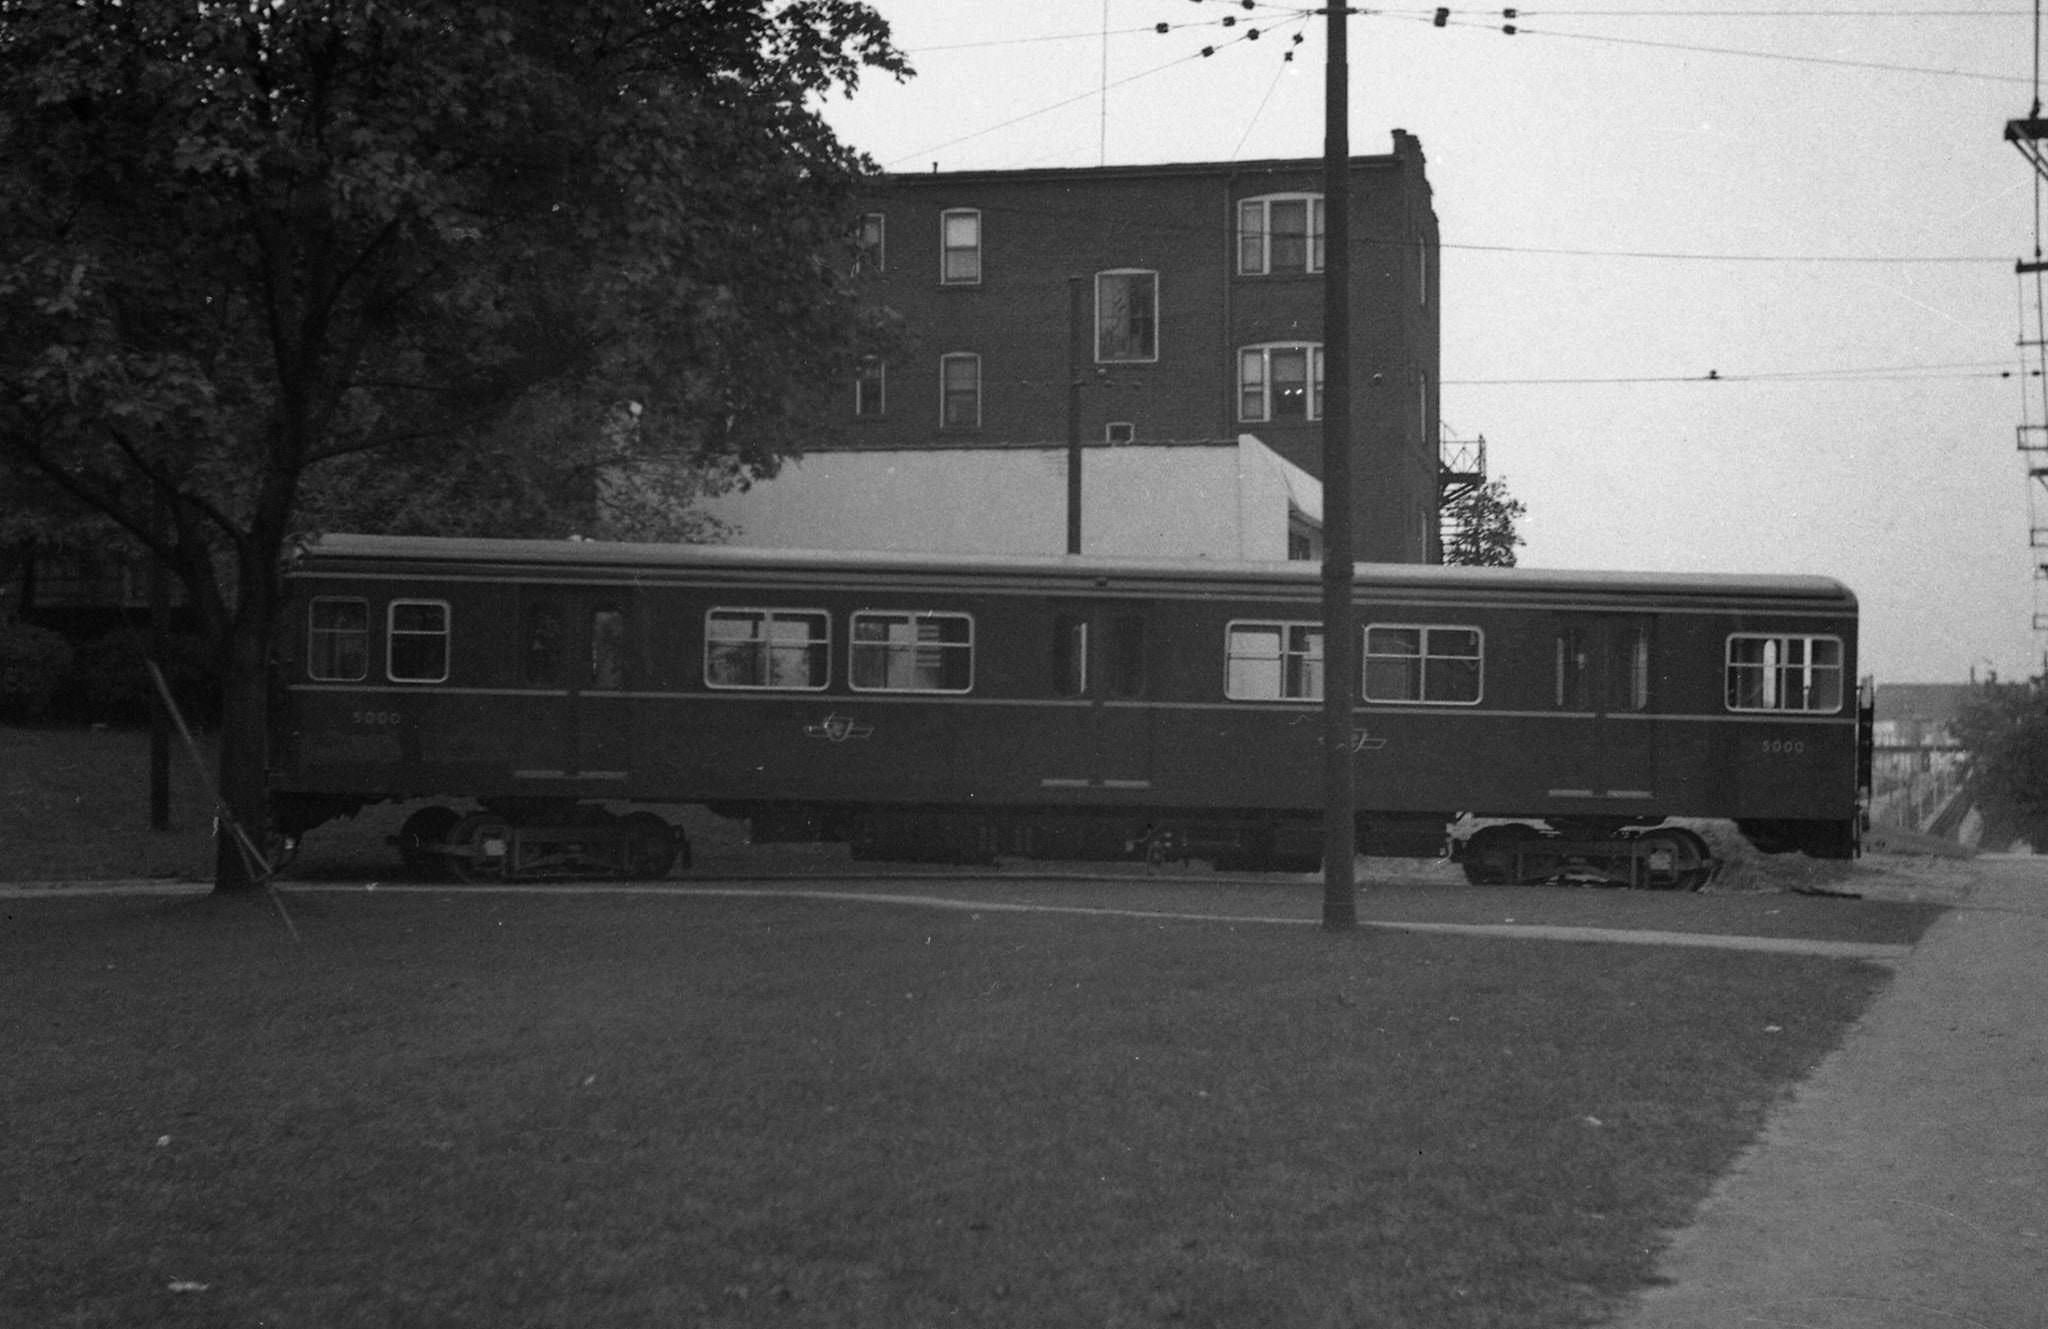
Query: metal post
pixel 1074 414
pixel 159 643
pixel 1340 650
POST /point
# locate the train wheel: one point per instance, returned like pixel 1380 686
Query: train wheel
pixel 482 848
pixel 651 846
pixel 420 840
pixel 1490 855
pixel 1692 863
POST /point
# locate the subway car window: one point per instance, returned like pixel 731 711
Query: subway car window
pixel 1628 668
pixel 1274 662
pixel 1572 668
pixel 1422 663
pixel 1788 672
pixel 543 642
pixel 909 652
pixel 607 648
pixel 416 641
pixel 1127 656
pixel 1069 655
pixel 767 648
pixel 338 639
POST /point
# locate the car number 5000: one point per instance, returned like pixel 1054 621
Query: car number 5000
pixel 375 717
pixel 1784 747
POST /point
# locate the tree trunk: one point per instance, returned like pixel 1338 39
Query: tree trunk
pixel 244 745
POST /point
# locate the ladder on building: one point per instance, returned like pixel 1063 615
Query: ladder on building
pixel 2029 135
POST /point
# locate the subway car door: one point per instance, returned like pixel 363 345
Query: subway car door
pixel 575 667
pixel 1605 681
pixel 1100 658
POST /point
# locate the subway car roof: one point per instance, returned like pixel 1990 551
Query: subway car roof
pixel 431 556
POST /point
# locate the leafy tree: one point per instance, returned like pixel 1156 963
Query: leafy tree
pixel 552 466
pixel 1482 521
pixel 2003 730
pixel 243 243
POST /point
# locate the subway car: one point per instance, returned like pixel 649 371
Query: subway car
pixel 547 697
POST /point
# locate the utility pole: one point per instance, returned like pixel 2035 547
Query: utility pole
pixel 1340 649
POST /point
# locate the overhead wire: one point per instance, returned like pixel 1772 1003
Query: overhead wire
pixel 1676 257
pixel 1525 12
pixel 1090 95
pixel 1279 72
pixel 1874 374
pixel 1906 374
pixel 1223 230
pixel 1302 14
pixel 1521 28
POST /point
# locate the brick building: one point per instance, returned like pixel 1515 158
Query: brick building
pixel 1190 298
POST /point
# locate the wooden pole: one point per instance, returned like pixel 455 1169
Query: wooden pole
pixel 1340 649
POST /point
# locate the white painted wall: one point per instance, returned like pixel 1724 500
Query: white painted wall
pixel 1222 500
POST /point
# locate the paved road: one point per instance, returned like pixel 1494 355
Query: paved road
pixel 1906 1186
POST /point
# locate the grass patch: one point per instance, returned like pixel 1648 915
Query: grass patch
pixel 74 806
pixel 515 1111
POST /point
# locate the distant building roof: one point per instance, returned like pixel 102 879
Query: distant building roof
pixel 1219 499
pixel 1920 714
pixel 1926 703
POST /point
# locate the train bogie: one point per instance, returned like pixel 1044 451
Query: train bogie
pixel 1653 858
pixel 510 842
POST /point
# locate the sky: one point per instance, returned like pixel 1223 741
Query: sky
pixel 1810 201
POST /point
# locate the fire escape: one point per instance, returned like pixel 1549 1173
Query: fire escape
pixel 1460 470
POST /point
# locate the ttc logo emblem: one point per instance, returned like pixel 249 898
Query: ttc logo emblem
pixel 838 728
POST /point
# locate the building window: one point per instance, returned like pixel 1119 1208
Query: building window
pixel 1784 673
pixel 789 649
pixel 960 247
pixel 871 253
pixel 1126 315
pixel 1274 662
pixel 868 384
pixel 1119 431
pixel 912 652
pixel 338 640
pixel 1280 233
pixel 960 391
pixel 1416 663
pixel 416 641
pixel 1281 381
